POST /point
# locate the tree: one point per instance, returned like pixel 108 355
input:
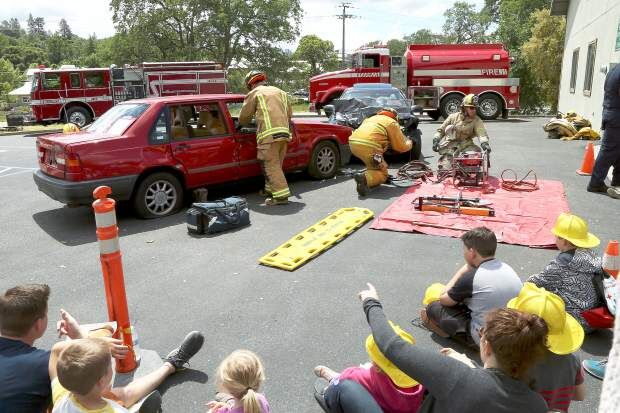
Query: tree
pixel 424 36
pixel 11 28
pixel 64 30
pixel 464 25
pixel 221 30
pixel 9 78
pixel 36 26
pixel 397 47
pixel 318 53
pixel 543 54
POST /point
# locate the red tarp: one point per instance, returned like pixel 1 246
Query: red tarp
pixel 523 218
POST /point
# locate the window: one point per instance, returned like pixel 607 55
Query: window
pixel 118 118
pixel 93 79
pixel 75 80
pixel 159 133
pixel 587 83
pixel 573 72
pixel 197 121
pixel 51 81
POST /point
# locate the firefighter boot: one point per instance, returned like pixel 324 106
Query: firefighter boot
pixel 362 184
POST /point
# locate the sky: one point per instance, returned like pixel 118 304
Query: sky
pixel 374 19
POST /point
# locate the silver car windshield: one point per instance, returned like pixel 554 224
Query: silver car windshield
pixel 118 119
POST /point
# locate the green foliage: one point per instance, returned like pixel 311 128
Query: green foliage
pixel 9 78
pixel 464 24
pixel 318 53
pixel 424 36
pixel 64 30
pixel 11 28
pixel 397 47
pixel 543 54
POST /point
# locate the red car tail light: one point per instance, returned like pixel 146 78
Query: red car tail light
pixel 70 162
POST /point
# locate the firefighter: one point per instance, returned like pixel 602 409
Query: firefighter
pixel 457 133
pixel 370 141
pixel 273 110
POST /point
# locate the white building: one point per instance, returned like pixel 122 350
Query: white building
pixel 591 48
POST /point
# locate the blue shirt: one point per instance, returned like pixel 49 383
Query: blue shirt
pixel 24 377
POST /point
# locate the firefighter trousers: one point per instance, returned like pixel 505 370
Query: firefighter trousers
pixel 271 157
pixel 455 149
pixel 375 174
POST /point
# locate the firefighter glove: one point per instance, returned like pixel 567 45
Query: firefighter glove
pixel 436 140
pixel 486 147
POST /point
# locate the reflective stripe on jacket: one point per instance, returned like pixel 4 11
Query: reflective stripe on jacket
pixel 464 128
pixel 378 131
pixel 272 109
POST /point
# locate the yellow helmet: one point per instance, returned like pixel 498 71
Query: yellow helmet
pixel 394 373
pixel 574 229
pixel 390 112
pixel 565 333
pixel 470 100
pixel 433 292
pixel 70 128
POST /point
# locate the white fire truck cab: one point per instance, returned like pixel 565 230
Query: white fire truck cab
pixel 79 95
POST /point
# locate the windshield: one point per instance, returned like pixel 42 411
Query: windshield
pixel 116 120
pixel 35 82
pixel 382 97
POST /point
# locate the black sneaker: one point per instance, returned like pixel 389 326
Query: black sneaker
pixel 602 189
pixel 151 403
pixel 320 387
pixel 179 357
pixel 362 185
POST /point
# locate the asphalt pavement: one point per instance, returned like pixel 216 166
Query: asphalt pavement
pixel 176 283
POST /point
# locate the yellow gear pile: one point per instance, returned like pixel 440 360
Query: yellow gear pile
pixel 570 126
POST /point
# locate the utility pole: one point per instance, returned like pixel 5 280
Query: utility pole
pixel 344 16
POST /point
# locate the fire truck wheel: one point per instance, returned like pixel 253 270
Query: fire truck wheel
pixel 450 104
pixel 489 106
pixel 158 195
pixel 324 161
pixel 79 116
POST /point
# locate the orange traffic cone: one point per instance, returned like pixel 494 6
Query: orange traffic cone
pixel 588 161
pixel 611 262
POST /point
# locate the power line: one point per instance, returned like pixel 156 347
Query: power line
pixel 344 16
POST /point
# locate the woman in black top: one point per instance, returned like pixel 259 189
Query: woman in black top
pixel 510 343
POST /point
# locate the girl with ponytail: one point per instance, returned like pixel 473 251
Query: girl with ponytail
pixel 239 377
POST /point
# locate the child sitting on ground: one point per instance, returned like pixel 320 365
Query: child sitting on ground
pixel 571 274
pixel 239 377
pixel 393 390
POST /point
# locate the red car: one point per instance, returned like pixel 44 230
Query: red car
pixel 150 151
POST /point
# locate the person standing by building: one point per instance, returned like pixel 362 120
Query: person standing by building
pixel 609 155
pixel 272 110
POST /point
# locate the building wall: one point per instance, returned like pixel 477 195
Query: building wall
pixel 586 21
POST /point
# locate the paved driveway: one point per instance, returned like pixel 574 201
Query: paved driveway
pixel 293 320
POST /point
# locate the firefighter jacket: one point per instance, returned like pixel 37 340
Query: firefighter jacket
pixel 272 109
pixel 464 128
pixel 378 132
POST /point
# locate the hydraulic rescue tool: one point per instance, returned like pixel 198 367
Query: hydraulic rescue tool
pixel 456 205
pixel 470 168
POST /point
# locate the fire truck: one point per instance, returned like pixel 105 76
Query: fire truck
pixel 79 95
pixel 434 77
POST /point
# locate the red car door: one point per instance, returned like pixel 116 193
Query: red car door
pixel 202 142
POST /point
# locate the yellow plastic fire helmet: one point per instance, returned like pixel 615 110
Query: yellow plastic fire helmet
pixel 574 229
pixel 433 292
pixel 470 100
pixel 394 373
pixel 565 333
pixel 70 128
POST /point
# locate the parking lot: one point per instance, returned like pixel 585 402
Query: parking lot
pixel 294 320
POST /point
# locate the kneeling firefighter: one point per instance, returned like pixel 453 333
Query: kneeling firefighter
pixel 370 141
pixel 457 133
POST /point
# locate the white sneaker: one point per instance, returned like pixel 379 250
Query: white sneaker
pixel 614 192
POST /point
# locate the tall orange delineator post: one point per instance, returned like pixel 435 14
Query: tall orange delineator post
pixel 112 268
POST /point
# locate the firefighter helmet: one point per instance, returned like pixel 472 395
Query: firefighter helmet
pixel 254 77
pixel 70 128
pixel 390 112
pixel 470 100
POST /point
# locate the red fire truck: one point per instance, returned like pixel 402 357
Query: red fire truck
pixel 80 95
pixel 434 77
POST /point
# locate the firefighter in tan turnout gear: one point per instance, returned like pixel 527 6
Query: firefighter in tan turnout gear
pixel 457 133
pixel 370 141
pixel 273 110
